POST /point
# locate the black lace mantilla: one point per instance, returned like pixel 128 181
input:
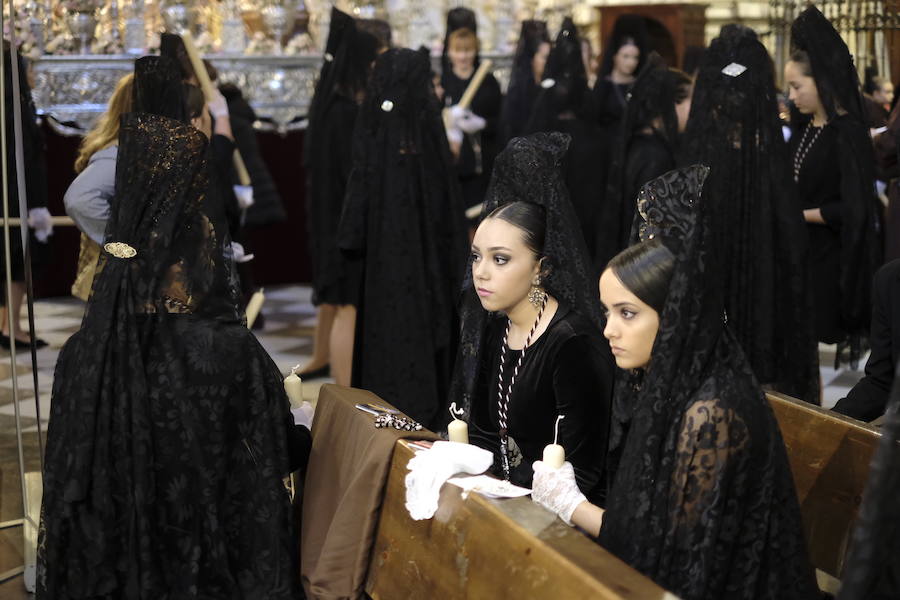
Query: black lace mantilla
pixel 168 429
pixel 703 500
pixel 529 170
pixel 760 235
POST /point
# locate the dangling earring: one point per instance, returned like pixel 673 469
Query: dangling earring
pixel 537 296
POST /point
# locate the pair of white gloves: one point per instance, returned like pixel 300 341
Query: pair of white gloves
pixel 463 121
pixel 556 489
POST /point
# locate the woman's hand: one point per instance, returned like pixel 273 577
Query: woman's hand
pixel 556 489
pixel 813 215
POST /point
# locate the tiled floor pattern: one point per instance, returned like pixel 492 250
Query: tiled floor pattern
pixel 289 324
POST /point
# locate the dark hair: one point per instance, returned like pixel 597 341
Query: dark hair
pixel 646 270
pixel 658 99
pixel 802 58
pixel 379 29
pixel 194 101
pixel 531 218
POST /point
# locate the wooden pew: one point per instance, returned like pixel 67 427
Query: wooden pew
pixel 829 455
pixel 480 548
pixel 475 547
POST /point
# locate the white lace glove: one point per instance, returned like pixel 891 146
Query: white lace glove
pixel 218 106
pixel 556 489
pixel 244 195
pixel 40 220
pixel 240 255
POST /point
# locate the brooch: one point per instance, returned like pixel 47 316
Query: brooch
pixel 120 250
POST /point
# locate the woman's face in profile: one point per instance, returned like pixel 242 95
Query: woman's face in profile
pixel 631 325
pixel 802 90
pixel 503 267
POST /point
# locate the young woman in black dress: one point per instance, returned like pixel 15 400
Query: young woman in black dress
pixel 833 168
pixel 530 324
pixel 702 500
pixel 528 67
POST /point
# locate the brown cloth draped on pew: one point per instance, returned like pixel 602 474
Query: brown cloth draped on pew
pixel 344 486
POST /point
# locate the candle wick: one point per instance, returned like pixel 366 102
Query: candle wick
pixel 556 429
pixel 294 369
pixel 454 411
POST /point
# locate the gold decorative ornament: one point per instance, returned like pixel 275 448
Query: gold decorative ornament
pixel 120 250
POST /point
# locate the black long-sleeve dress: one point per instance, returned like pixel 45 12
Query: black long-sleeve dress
pixel 567 371
pixel 476 157
pixel 819 186
pixel 842 254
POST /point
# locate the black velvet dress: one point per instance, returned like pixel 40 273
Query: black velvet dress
pixel 476 157
pixel 566 371
pixel 820 187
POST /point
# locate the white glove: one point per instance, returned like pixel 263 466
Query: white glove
pixel 457 112
pixel 244 195
pixel 40 220
pixel 218 105
pixel 556 489
pixel 303 415
pixel 454 135
pixel 240 256
pixel 471 123
pixel 465 120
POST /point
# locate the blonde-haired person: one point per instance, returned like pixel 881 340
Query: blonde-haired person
pixel 87 199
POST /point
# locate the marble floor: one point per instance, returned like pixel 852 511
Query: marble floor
pixel 289 323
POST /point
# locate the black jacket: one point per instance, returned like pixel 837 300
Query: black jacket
pixel 868 398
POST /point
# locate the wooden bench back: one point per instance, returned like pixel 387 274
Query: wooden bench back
pixel 829 456
pixel 480 548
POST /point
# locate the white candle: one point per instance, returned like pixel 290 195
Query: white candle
pixel 293 385
pixel 254 306
pixel 458 430
pixel 554 454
